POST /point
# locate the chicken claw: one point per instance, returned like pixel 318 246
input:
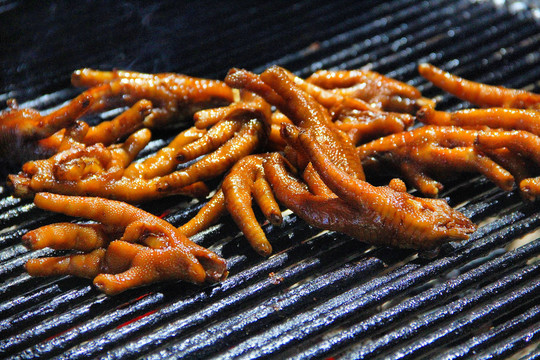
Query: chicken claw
pixel 94 170
pixel 391 217
pixel 479 94
pixel 174 96
pixel 495 118
pixel 381 92
pixel 119 264
pixel 500 155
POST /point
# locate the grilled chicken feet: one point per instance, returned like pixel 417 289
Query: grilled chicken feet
pixel 111 173
pixel 166 99
pixel 503 156
pixel 128 248
pixel 341 199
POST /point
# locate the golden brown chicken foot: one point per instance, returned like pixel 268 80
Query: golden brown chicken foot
pixel 95 170
pixel 530 188
pixel 526 145
pixel 276 87
pixel 163 162
pixel 514 163
pixel 79 162
pixel 329 99
pixel 417 177
pixel 175 96
pixel 123 265
pixel 323 211
pixel 249 138
pixel 379 91
pixel 253 106
pixel 245 181
pixel 431 149
pixel 477 93
pixel 517 141
pixel 247 103
pixel 394 217
pixel 497 154
pixel 363 126
pixel 314 182
pixel 30 124
pixel 81 265
pixel 27 130
pixel 509 119
pixel 215 137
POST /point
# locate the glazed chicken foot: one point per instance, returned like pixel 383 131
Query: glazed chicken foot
pixel 477 93
pixel 503 156
pixel 110 172
pixel 166 99
pixel 128 248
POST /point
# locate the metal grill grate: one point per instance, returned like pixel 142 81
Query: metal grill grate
pixel 321 295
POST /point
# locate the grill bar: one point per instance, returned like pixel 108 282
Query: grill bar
pixel 499 333
pixel 503 304
pixel 198 299
pixel 345 310
pixel 231 302
pixel 290 332
pixel 513 344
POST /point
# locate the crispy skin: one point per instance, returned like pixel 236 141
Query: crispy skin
pixel 121 264
pixel 479 94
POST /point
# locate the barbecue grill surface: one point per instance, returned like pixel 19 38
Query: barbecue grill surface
pixel 322 294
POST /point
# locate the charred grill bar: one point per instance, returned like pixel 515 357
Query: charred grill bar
pixel 320 295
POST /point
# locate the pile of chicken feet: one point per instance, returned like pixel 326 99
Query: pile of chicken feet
pixel 304 144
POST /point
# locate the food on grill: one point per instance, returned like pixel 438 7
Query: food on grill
pixel 496 118
pixel 362 126
pixel 129 247
pixel 479 94
pixel 379 215
pixel 95 170
pixel 498 154
pixel 244 135
pixel 173 97
pixel 109 172
pixel 302 155
pixel 245 180
pixel 384 215
pixel 381 92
